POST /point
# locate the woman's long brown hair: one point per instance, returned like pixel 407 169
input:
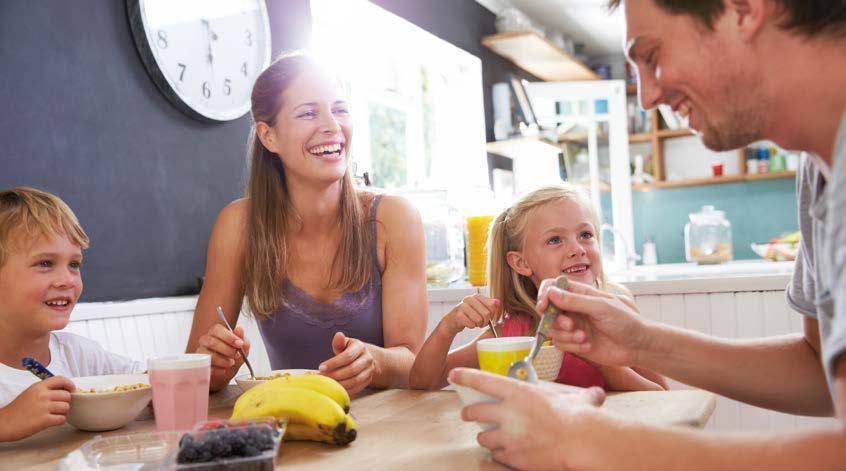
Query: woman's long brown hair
pixel 269 210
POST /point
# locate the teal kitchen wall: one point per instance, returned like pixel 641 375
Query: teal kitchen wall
pixel 757 210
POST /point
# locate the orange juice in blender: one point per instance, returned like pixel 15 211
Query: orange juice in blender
pixel 477 251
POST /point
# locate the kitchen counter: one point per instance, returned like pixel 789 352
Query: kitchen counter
pixel 690 278
pixel 673 278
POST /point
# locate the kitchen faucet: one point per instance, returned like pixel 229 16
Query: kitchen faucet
pixel 631 256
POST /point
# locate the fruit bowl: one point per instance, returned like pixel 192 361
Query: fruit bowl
pixel 245 383
pixel 776 251
pixel 107 408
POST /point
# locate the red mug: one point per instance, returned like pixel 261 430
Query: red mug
pixel 717 169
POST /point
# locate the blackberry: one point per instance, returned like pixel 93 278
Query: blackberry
pixel 187 454
pixel 219 442
pixel 186 440
pixel 251 450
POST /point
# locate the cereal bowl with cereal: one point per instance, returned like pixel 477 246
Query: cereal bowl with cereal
pixel 245 382
pixel 108 402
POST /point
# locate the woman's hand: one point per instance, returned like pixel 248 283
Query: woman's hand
pixel 534 429
pixel 352 366
pixel 473 311
pixel 599 326
pixel 42 405
pixel 223 347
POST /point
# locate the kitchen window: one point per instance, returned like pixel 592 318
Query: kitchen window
pixel 417 100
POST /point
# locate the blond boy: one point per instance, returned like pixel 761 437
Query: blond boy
pixel 41 245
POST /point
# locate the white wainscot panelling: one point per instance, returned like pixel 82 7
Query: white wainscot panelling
pixel 441 301
pixel 149 328
pixel 752 314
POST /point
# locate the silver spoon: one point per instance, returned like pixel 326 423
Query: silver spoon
pixel 493 329
pixel 244 355
pixel 524 369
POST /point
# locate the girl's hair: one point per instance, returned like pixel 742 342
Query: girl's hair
pixel 517 293
pixel 27 213
pixel 269 210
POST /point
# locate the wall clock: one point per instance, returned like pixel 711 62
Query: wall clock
pixel 203 55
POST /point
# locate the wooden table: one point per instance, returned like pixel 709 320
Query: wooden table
pixel 398 429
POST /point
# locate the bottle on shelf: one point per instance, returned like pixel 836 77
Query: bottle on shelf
pixel 763 160
pixel 650 254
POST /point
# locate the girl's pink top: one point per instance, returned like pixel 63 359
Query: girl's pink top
pixel 574 371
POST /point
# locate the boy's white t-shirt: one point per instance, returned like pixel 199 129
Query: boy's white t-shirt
pixel 71 356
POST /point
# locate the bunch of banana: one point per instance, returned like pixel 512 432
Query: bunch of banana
pixel 314 406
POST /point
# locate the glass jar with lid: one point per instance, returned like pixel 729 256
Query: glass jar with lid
pixel 707 237
pixel 443 228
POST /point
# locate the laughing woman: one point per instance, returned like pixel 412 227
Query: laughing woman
pixel 335 276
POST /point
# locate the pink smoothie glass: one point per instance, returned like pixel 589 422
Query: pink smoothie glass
pixel 180 390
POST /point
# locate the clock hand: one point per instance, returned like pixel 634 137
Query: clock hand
pixel 209 34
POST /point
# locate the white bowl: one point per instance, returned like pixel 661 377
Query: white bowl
pixel 470 396
pixel 245 383
pixel 102 411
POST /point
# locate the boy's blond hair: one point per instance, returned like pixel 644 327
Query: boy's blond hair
pixel 516 292
pixel 27 213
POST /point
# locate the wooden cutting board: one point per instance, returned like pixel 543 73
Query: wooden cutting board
pixel 682 407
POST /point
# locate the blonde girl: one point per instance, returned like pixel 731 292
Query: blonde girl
pixel 548 232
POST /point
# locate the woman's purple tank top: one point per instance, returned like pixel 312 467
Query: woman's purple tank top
pixel 299 334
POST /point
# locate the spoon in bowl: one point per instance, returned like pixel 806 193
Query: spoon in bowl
pixel 240 350
pixel 524 369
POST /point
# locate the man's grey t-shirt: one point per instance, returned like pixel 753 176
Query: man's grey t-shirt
pixel 818 287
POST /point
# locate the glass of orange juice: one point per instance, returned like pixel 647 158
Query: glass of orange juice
pixel 477 251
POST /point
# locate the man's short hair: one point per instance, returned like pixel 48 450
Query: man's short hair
pixel 807 17
pixel 27 213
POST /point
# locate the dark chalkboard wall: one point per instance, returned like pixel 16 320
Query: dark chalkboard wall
pixel 81 118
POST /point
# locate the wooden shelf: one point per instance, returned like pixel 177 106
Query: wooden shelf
pixel 770 176
pixel 536 55
pixel 661 134
pixel 642 137
pixel 580 137
pixel 521 146
pixel 670 133
pixel 712 181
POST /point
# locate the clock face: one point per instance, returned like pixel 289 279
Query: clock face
pixel 204 55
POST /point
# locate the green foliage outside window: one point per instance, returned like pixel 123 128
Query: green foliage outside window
pixel 387 141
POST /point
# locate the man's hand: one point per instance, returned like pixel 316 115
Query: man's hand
pixel 598 326
pixel 535 429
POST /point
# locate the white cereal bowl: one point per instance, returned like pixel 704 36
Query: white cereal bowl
pixel 245 383
pixel 101 411
pixel 470 396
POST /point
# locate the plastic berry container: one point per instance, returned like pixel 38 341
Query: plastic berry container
pixel 141 451
pixel 229 445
